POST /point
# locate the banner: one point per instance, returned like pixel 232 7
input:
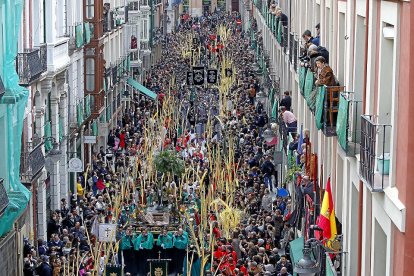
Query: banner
pixel 229 72
pixel 158 267
pixel 342 122
pixel 212 76
pixel 190 78
pixel 198 75
pixel 107 232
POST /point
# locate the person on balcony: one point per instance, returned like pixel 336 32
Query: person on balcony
pixel 308 38
pixel 317 39
pixel 325 74
pixel 286 101
pixel 289 119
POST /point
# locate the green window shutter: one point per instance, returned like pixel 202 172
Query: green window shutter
pixel 87 32
pixel 48 135
pixel 319 107
pixel 108 113
pixel 95 128
pixel 60 129
pixel 342 122
pixel 88 106
pixel 79 113
pixel 102 118
pixel 79 35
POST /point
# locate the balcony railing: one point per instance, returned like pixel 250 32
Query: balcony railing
pixel 375 148
pixel 31 64
pixel 2 89
pixel 283 131
pixel 32 162
pixel 295 53
pixel 291 47
pixel 348 125
pixel 4 199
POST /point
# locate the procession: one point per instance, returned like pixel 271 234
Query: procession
pixel 188 187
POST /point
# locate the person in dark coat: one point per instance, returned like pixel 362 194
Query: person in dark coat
pixel 44 269
pixel 286 101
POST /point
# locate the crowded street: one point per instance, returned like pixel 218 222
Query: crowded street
pixel 206 138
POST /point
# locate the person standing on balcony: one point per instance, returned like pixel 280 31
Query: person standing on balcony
pixel 308 38
pixel 317 39
pixel 289 119
pixel 325 73
pixel 286 101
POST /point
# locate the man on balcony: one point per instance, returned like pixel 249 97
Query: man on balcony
pixel 286 101
pixel 289 119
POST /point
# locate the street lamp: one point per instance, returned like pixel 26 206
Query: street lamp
pixel 306 266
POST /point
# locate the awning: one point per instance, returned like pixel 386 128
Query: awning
pixel 296 250
pixel 142 88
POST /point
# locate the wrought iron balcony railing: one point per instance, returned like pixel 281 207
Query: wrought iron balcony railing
pixel 375 159
pixel 32 162
pixel 31 64
pixel 2 89
pixel 4 199
pixel 283 131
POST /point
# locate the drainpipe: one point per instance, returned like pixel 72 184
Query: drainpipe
pixel 364 95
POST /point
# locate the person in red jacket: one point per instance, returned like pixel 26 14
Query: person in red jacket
pixel 122 140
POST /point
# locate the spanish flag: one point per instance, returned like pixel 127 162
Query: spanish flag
pixel 327 217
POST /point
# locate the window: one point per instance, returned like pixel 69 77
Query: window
pixel 90 74
pixel 145 29
pixel 90 12
pixel 133 6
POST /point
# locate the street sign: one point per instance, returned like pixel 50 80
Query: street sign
pixel 89 139
pixel 75 165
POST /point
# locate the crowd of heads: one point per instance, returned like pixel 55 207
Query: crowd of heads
pixel 259 245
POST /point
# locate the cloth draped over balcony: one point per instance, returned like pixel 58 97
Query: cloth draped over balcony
pixel 302 76
pixel 319 107
pixel 142 88
pixel 48 134
pixel 13 107
pixel 342 121
pixel 87 27
pixel 309 85
pixel 79 113
pixel 296 249
pixel 79 35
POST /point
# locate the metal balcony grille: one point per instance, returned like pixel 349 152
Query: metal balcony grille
pixel 31 64
pixel 374 144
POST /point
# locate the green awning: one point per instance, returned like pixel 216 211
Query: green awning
pixel 296 250
pixel 142 88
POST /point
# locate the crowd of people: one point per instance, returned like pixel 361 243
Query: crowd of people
pixel 259 245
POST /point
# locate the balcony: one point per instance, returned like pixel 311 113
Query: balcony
pixel 348 125
pixel 32 162
pixel 97 104
pixel 2 89
pixel 4 199
pixel 58 54
pixel 375 150
pixel 326 108
pixel 284 135
pixel 31 64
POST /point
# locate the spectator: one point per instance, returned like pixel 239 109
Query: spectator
pixel 316 40
pixel 325 74
pixel 289 119
pixel 286 101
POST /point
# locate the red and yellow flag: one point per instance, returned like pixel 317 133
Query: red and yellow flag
pixel 327 220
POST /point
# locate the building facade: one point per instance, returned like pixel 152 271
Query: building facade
pixel 360 129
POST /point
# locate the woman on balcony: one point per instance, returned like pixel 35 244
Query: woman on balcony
pixel 325 74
